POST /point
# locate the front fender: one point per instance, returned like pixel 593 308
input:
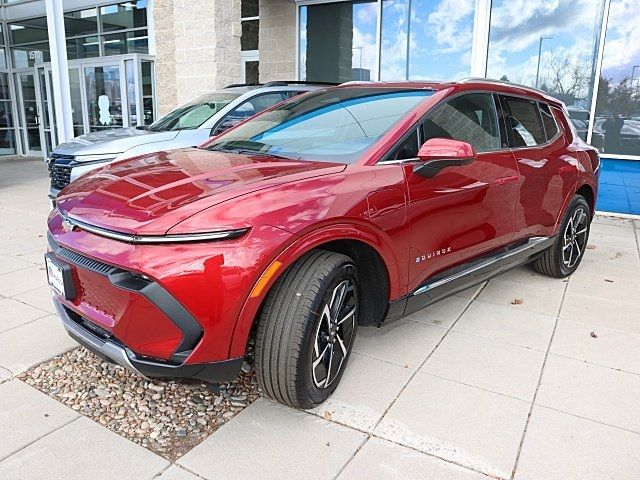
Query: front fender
pixel 300 245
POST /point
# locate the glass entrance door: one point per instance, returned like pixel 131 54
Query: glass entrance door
pixel 30 111
pixel 105 94
pixel 104 97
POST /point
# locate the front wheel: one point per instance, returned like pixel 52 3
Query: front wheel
pixel 306 329
pixel 563 257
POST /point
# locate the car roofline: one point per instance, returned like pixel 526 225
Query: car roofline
pixel 497 86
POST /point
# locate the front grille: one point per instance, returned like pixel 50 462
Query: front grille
pixel 86 262
pixel 60 172
pixel 79 259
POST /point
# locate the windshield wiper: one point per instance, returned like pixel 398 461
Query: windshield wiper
pixel 245 151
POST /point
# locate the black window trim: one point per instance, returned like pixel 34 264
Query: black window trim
pixel 555 122
pixel 510 128
pixel 383 161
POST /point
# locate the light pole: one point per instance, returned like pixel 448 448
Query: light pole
pixel 544 37
pixel 408 39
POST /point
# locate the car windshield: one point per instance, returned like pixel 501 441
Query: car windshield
pixel 193 114
pixel 332 125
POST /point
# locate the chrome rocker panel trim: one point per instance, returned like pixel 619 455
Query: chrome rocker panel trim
pixel 464 276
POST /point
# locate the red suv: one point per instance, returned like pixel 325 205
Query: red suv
pixel 338 209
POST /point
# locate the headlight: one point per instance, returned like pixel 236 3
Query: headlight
pixel 155 239
pixel 94 158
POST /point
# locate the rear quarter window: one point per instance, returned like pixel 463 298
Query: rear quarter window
pixel 526 123
pixel 548 121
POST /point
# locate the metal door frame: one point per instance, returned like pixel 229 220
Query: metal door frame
pixel 22 120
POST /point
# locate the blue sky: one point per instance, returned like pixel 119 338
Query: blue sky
pixel 441 36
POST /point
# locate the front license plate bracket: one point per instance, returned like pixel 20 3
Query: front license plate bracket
pixel 54 267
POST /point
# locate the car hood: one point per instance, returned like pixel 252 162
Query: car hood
pixel 150 194
pixel 113 141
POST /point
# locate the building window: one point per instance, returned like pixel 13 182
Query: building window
pixel 618 104
pixel 124 16
pixel 249 41
pixel 338 41
pixel 250 22
pixel 81 22
pixel 110 30
pixel 440 39
pixel 81 28
pixel 147 93
pixel 29 41
pixel 7 130
pixel 3 58
pixel 548 47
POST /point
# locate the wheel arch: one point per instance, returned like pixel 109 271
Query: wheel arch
pixel 371 252
pixel 586 190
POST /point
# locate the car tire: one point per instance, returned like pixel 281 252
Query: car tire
pixel 306 329
pixel 563 257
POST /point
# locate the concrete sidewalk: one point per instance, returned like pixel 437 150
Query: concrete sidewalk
pixel 525 377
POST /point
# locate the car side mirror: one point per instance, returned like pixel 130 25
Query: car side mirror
pixel 438 153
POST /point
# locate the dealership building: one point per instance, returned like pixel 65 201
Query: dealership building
pixel 64 62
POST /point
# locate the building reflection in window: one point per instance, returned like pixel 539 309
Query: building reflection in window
pixel 618 102
pixel 338 41
pixel 441 33
pixel 551 46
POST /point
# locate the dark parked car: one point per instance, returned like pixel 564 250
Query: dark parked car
pixel 580 119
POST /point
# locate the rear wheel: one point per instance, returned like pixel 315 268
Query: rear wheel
pixel 563 257
pixel 306 329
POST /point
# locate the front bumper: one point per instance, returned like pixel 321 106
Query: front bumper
pixel 113 351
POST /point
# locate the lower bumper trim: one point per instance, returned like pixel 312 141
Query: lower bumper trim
pixel 215 372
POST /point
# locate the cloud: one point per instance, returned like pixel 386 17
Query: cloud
pixel 368 13
pixel 519 24
pixel 451 26
pixel 622 45
pixel 364 51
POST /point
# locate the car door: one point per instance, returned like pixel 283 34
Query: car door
pixel 462 211
pixel 548 170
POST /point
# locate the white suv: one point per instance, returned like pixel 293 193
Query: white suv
pixel 189 125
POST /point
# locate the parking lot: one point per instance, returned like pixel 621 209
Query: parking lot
pixel 525 377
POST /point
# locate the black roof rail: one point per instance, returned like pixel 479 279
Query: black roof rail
pixel 233 85
pixel 284 83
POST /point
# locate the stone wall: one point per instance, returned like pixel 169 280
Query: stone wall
pixel 197 48
pixel 165 56
pixel 277 40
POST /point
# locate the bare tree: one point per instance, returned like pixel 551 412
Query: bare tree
pixel 569 77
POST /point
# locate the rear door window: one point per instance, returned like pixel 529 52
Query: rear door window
pixel 525 122
pixel 471 118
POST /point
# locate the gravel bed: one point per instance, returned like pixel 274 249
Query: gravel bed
pixel 168 418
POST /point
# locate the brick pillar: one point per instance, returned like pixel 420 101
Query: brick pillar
pixel 198 48
pixel 165 56
pixel 277 40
